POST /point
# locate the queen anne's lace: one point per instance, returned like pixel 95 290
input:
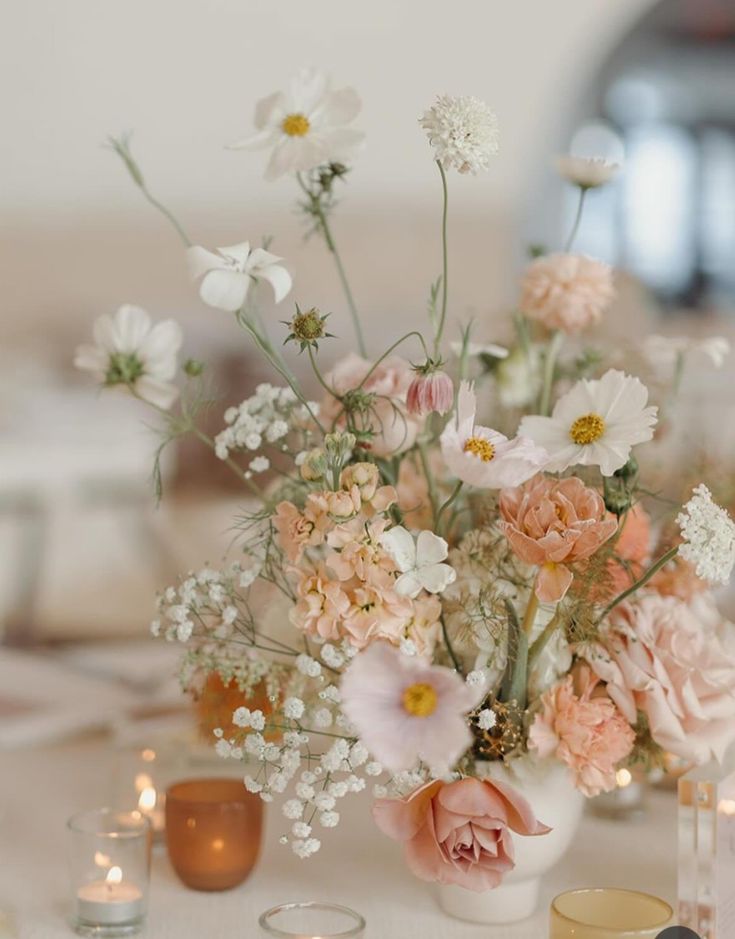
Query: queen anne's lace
pixel 709 537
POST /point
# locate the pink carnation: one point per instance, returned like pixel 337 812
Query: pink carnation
pixel 459 832
pixel 567 291
pixel 658 657
pixel 393 429
pixel 428 393
pixel 551 523
pixel 584 731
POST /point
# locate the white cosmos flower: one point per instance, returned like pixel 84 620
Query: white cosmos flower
pixel 709 537
pixel 595 423
pixel 419 560
pixel 483 457
pixel 664 352
pixel 305 125
pixel 227 275
pixel 463 132
pixel 129 350
pixel 586 172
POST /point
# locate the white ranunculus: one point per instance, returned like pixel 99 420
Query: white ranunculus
pixel 306 125
pixel 226 276
pixel 420 561
pixel 132 352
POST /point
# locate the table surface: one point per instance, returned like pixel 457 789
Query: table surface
pixel 357 866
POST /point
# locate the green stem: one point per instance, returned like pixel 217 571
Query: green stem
pixel 445 265
pixel 388 351
pixel 552 353
pixel 642 581
pixel 577 219
pixel 455 492
pixel 424 457
pixel 253 486
pixel 540 644
pixel 450 650
pixel 317 372
pixel 531 610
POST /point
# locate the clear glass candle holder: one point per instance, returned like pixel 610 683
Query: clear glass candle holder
pixel 608 913
pixel 141 776
pixel 109 865
pixel 312 920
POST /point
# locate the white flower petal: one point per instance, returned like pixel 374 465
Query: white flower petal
pixel 400 544
pixel 238 253
pixel 436 577
pixel 200 261
pixel 161 393
pixel 279 279
pixel 409 584
pixel 430 548
pixel 91 359
pixel 131 326
pixel 225 290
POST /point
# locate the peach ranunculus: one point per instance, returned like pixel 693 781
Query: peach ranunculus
pixel 583 730
pixel 459 832
pixel 551 523
pixel 392 429
pixel 659 657
pixel 566 291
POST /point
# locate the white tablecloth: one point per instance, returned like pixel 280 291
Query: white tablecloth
pixel 357 866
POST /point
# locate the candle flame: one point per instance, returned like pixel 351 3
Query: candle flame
pixel 101 860
pixel 623 778
pixel 143 781
pixel 114 875
pixel 147 799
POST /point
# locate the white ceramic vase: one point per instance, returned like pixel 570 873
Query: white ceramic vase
pixel 557 803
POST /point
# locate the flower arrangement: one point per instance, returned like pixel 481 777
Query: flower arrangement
pixel 420 595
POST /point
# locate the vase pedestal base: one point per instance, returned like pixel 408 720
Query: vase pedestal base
pixel 508 903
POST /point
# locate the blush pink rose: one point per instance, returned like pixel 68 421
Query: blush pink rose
pixel 393 428
pixel 551 523
pixel 567 291
pixel 459 832
pixel 658 657
pixel 583 730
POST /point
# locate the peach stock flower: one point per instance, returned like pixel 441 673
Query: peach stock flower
pixel 551 523
pixel 459 832
pixel 295 531
pixel 392 428
pixel 566 291
pixel 659 657
pixel 321 606
pixel 585 731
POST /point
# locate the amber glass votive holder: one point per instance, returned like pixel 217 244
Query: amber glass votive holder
pixel 213 832
pixel 608 913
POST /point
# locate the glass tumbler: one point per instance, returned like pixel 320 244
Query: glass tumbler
pixel 608 914
pixel 213 832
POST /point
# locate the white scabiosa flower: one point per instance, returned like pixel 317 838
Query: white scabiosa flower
pixel 463 132
pixel 226 277
pixel 596 423
pixel 420 561
pixel 131 352
pixel 483 457
pixel 306 125
pixel 586 172
pixel 709 537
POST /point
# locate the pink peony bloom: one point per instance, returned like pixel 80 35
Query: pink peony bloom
pixel 551 523
pixel 658 657
pixel 459 832
pixel 483 457
pixel 321 606
pixel 584 731
pixel 428 393
pixel 567 291
pixel 406 710
pixel 393 429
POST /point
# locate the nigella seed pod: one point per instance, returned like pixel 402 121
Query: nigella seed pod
pixel 431 392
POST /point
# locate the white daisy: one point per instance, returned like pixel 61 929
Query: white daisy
pixel 596 423
pixel 709 537
pixel 227 275
pixel 463 132
pixel 419 560
pixel 483 457
pixel 130 351
pixel 306 125
pixel 586 172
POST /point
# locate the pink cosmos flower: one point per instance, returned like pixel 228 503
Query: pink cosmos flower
pixel 658 657
pixel 393 428
pixel 483 457
pixel 459 832
pixel 428 393
pixel 586 732
pixel 406 710
pixel 567 291
pixel 551 523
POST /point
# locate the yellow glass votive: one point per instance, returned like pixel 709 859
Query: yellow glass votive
pixel 608 913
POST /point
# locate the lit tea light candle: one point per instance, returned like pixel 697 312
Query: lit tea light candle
pixel 110 902
pixel 149 803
